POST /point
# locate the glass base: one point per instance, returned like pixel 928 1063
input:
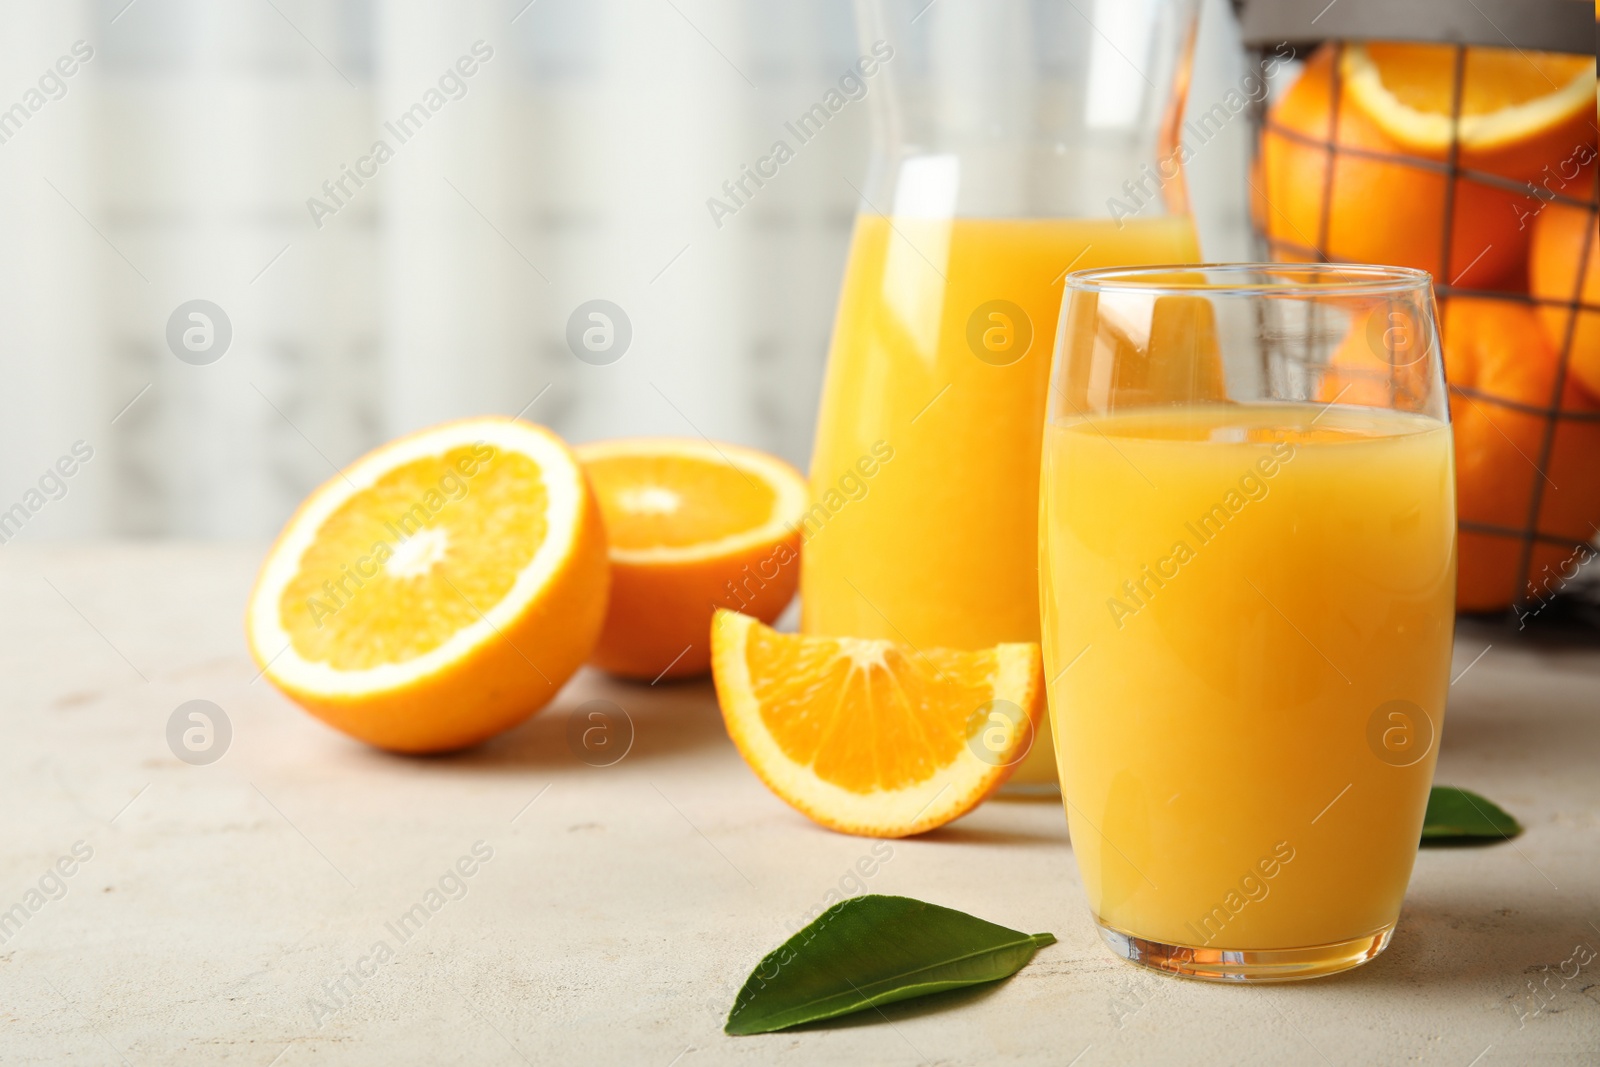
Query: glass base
pixel 1247 964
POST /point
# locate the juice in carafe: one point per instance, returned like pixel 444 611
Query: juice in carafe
pixel 925 473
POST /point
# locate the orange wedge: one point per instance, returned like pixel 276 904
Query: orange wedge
pixel 1519 109
pixel 873 737
pixel 437 591
pixel 693 526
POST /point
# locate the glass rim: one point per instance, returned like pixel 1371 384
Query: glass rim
pixel 1272 279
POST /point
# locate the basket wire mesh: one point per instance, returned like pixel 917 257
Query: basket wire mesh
pixel 1532 588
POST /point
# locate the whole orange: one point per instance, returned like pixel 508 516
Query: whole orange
pixel 1378 211
pixel 1496 356
pixel 1396 102
pixel 1560 235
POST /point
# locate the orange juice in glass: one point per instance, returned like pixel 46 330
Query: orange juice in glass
pixel 1248 596
pixel 1003 144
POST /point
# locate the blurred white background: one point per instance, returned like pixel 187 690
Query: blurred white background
pixel 176 164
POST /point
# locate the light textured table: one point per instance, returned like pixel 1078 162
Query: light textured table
pixel 623 906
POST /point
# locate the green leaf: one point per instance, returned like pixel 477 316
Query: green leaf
pixel 1459 815
pixel 872 950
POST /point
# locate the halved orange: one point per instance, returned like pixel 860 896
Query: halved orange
pixel 693 526
pixel 874 737
pixel 1511 100
pixel 438 590
pixel 1384 196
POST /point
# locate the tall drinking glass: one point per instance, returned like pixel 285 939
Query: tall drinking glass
pixel 1248 558
pixel 1015 140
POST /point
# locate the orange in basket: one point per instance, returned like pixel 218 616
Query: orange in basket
pixel 1559 239
pixel 1385 196
pixel 1502 378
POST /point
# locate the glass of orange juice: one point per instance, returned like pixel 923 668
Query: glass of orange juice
pixel 1013 143
pixel 1248 558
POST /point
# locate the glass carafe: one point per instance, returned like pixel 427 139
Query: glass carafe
pixel 1015 141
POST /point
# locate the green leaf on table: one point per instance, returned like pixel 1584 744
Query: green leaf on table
pixel 873 950
pixel 1460 815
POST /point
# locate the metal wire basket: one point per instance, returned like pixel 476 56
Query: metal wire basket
pixel 1517 552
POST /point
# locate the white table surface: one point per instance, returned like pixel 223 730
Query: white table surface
pixel 623 907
